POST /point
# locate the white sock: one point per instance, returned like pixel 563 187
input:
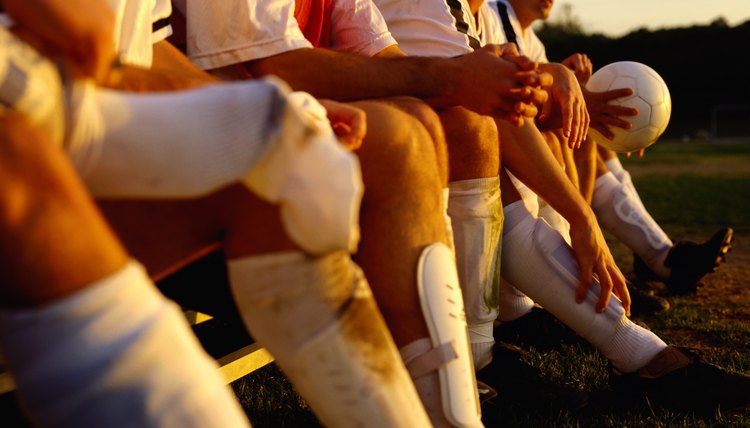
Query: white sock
pixel 116 354
pixel 624 216
pixel 318 318
pixel 538 262
pixel 176 144
pixel 476 213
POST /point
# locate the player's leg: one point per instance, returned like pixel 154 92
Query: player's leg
pixel 404 255
pixel 617 204
pixel 70 293
pixel 475 211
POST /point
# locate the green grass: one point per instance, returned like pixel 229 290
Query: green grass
pixel 691 189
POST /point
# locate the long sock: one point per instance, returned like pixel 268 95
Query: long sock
pixel 318 318
pixel 476 213
pixel 154 145
pixel 624 216
pixel 538 262
pixel 116 354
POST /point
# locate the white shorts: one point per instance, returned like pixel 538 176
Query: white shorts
pixel 442 28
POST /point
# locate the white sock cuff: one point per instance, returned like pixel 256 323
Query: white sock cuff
pixel 615 167
pixel 513 303
pixel 474 186
pixel 632 346
pixel 604 185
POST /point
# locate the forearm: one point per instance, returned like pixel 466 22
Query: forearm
pixel 344 77
pixel 526 155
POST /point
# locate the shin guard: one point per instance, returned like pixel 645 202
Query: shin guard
pixel 448 352
pixel 319 320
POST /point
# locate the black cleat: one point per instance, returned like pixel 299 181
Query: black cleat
pixel 645 302
pixel 680 380
pixel 689 262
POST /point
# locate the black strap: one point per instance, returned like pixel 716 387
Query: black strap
pixel 158 25
pixel 461 25
pixel 510 33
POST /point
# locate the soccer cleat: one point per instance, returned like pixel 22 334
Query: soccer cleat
pixel 679 379
pixel 689 262
pixel 645 302
pixel 538 328
pixel 518 382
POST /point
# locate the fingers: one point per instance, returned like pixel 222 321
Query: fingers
pixel 621 288
pixel 605 290
pixel 615 93
pixel 603 129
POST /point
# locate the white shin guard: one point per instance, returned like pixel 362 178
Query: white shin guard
pixel 446 355
pixel 622 214
pixel 476 213
pixel 538 262
pixel 319 320
pixel 116 354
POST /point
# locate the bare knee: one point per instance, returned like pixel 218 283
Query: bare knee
pixel 473 149
pixel 431 122
pixel 398 154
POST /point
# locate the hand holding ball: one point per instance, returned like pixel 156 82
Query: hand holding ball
pixel 650 97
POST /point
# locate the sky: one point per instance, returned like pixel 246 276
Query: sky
pixel 618 17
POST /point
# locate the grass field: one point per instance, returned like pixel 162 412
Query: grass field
pixel 691 189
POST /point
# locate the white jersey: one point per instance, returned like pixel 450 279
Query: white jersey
pixel 443 28
pixel 528 43
pixel 222 33
pixel 138 25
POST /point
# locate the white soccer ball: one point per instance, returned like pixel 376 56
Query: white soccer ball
pixel 650 97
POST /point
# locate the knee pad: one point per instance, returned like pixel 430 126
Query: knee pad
pixel 442 306
pixel 30 85
pixel 319 320
pixel 317 183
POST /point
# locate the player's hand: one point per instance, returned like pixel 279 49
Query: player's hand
pixel 603 114
pixel 639 153
pixel 593 257
pixel 567 99
pixel 496 81
pixel 79 32
pixel 581 66
pixel 348 122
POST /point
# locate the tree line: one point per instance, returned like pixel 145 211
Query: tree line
pixel 707 68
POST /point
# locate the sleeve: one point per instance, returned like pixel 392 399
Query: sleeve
pixel 359 28
pixel 226 32
pixel 160 28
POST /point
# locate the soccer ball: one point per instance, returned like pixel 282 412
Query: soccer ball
pixel 650 97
